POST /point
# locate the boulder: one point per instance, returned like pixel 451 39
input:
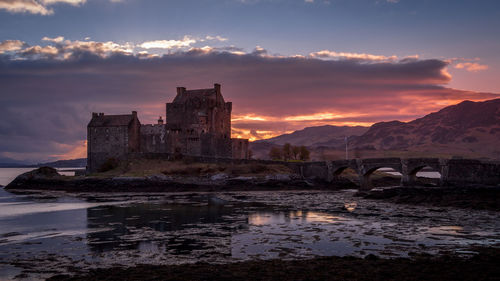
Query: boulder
pixel 40 173
pixel 159 177
pixel 279 177
pixel 218 177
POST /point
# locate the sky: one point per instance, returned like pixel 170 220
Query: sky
pixel 285 64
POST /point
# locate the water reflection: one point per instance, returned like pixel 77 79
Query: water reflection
pixel 131 225
pixel 291 217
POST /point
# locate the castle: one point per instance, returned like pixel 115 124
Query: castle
pixel 198 123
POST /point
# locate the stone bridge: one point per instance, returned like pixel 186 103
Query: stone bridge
pixel 452 171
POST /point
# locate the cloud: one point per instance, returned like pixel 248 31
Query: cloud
pixel 25 6
pixel 471 66
pixel 63 49
pixel 71 2
pixel 46 51
pixel 11 45
pixel 40 7
pixel 324 54
pixel 168 44
pixel 393 1
pixel 57 39
pixel 47 98
pixel 217 37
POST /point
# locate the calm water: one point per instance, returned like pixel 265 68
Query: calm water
pixel 48 233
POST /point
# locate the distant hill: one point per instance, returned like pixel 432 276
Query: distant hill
pixel 470 129
pixel 318 136
pixel 72 163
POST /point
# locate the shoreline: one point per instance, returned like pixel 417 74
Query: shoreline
pixel 480 265
pixel 479 197
pixel 49 179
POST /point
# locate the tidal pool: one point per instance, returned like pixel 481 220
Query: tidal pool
pixel 48 233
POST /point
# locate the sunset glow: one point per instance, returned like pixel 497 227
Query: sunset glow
pixel 283 74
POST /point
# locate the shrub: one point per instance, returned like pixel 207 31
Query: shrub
pixel 110 164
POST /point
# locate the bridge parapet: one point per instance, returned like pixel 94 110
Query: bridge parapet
pixel 467 171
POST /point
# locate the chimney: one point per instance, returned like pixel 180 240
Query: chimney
pixel 160 121
pixel 101 114
pixel 94 114
pixel 180 90
pixel 134 113
pixel 217 88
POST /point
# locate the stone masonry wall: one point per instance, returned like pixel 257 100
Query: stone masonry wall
pixel 105 143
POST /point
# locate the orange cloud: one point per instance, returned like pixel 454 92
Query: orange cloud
pixel 74 151
pixel 471 66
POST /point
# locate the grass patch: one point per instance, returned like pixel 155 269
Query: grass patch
pixel 148 167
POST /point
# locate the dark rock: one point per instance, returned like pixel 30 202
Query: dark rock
pixel 473 197
pixel 482 266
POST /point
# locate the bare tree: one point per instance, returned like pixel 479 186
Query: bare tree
pixel 304 153
pixel 275 153
pixel 287 151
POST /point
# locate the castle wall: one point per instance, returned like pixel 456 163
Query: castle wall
pixel 153 138
pixel 105 143
pixel 239 148
pixel 134 134
pixel 202 122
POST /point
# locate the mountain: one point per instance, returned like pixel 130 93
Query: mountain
pixel 465 128
pixel 72 163
pixel 11 163
pixel 318 136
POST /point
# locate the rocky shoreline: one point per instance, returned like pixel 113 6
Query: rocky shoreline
pixel 470 197
pixel 483 265
pixel 48 179
pixel 478 197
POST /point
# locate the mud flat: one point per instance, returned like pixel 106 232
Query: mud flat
pixel 481 266
pixel 58 233
pixel 473 197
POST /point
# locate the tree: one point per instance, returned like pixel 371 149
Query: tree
pixel 275 153
pixel 287 151
pixel 295 152
pixel 304 153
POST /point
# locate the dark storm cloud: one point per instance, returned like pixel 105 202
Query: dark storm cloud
pixel 46 103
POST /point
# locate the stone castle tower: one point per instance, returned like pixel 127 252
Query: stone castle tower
pixel 198 123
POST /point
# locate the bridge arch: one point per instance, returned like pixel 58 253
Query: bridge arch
pixel 367 177
pixel 413 174
pixel 336 168
pixel 412 166
pixel 368 166
pixel 339 170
